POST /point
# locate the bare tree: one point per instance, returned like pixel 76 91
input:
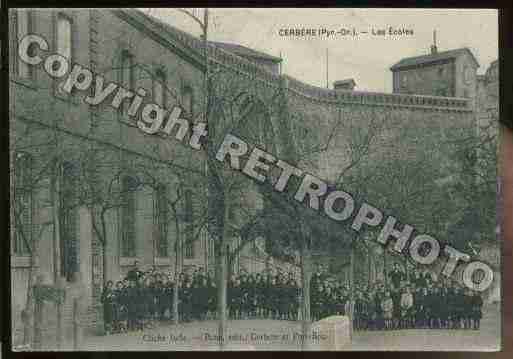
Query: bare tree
pixel 38 157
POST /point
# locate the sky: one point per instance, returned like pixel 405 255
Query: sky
pixel 365 58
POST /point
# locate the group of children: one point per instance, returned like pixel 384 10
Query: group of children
pixel 263 296
pixel 419 302
pixel 402 303
pixel 143 297
pixel 422 308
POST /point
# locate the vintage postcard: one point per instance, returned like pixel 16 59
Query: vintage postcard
pixel 254 179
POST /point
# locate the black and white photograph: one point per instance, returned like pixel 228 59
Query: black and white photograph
pixel 254 179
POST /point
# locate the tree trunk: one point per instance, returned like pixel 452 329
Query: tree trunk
pixel 104 251
pixel 31 317
pixel 178 251
pixel 104 265
pixel 306 274
pixel 369 267
pixel 385 276
pixel 221 297
pixel 77 330
pixel 352 289
pixel 61 285
pixel 176 288
pixel 58 331
pixel 38 319
pixel 222 278
pixel 28 320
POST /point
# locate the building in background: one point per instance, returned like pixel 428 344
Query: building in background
pixel 451 73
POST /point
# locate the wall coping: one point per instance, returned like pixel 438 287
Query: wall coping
pixel 377 98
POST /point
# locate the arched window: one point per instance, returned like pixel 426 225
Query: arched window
pixel 162 214
pixel 23 189
pixel 189 236
pixel 23 28
pixel 188 100
pixel 159 88
pixel 64 38
pixel 68 220
pixel 128 191
pixel 127 78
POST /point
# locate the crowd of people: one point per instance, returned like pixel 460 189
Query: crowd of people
pixel 419 302
pixel 141 298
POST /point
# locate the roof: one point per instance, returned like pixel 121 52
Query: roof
pixel 180 34
pixel 197 43
pixel 244 51
pixel 427 59
pixel 180 40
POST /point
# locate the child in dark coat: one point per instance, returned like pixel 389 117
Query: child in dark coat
pixel 477 313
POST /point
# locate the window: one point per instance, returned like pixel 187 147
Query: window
pixel 159 85
pixel 64 40
pixel 162 217
pixel 128 188
pixel 23 204
pixel 404 80
pixel 68 221
pixel 127 76
pixel 468 74
pixel 189 237
pixel 187 100
pixel 210 246
pixel 23 28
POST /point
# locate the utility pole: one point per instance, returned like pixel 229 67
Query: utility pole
pixel 434 48
pixel 205 46
pixel 327 70
pixel 351 288
pixel 281 62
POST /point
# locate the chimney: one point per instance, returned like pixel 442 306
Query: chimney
pixel 346 85
pixel 434 49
